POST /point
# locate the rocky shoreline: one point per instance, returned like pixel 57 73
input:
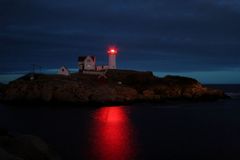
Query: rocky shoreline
pixel 24 147
pixel 121 86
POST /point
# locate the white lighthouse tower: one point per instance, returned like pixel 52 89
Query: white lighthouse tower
pixel 112 53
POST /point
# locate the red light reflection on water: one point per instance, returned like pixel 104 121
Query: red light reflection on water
pixel 112 137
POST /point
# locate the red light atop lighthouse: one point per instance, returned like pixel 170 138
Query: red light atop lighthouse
pixel 112 50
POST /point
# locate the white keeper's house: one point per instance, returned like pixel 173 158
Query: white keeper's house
pixel 87 63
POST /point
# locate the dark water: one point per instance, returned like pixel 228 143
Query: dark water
pixel 143 131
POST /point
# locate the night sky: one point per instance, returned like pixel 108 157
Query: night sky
pixel 201 37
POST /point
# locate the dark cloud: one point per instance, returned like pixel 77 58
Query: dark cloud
pixel 167 35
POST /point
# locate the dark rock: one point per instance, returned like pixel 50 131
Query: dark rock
pixel 2 87
pixel 82 88
pixel 3 132
pixel 24 147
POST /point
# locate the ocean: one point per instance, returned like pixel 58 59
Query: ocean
pixel 140 131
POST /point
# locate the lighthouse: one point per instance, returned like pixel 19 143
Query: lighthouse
pixel 112 53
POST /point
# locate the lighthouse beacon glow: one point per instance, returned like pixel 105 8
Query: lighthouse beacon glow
pixel 112 53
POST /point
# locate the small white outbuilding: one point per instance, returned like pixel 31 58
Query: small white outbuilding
pixel 63 71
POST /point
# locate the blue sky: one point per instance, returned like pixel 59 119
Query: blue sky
pixel 198 37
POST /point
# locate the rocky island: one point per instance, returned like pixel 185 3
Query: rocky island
pixel 119 86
